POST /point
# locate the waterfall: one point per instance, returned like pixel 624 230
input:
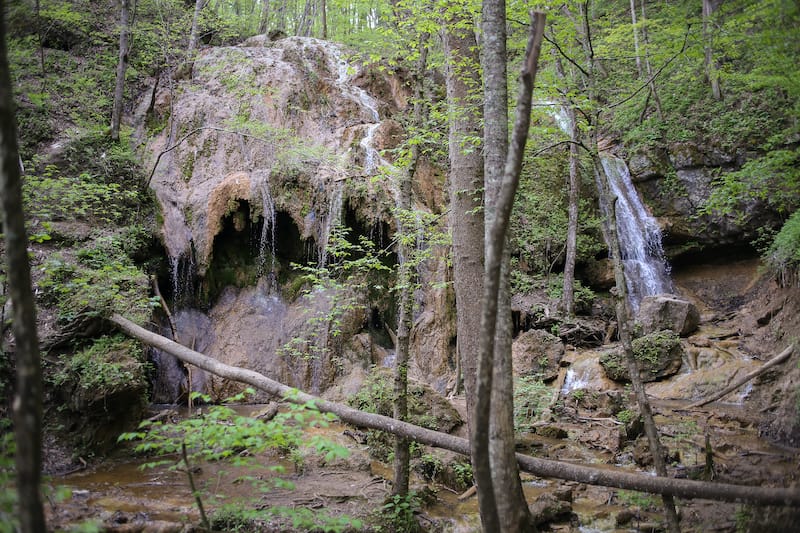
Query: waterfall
pixel 646 269
pixel 332 219
pixel 267 238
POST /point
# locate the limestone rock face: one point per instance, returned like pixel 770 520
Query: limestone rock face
pixel 284 127
pixel 675 182
pixel 537 352
pixel 665 311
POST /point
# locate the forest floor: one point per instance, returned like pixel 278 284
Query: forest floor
pixel 750 444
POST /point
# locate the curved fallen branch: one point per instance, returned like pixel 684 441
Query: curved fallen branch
pixel 781 357
pixel 607 477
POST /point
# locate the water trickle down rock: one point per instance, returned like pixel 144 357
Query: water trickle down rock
pixel 269 132
pixel 646 269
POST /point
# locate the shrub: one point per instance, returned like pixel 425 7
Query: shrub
pixel 783 256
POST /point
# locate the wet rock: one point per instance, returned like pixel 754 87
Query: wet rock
pixel 659 354
pixel 643 457
pixel 666 311
pixel 551 431
pixel 550 508
pixel 537 352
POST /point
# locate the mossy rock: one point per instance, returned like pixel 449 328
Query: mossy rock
pixel 659 354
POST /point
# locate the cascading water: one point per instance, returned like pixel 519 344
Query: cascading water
pixel 646 269
pixel 267 239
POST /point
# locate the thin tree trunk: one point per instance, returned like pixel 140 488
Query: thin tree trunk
pixel 263 24
pixel 623 325
pixel 649 67
pixel 568 296
pixel 636 39
pixel 324 15
pixel 193 35
pixel 512 509
pixel 495 241
pixel 406 279
pixel 711 73
pixel 122 66
pixel 27 405
pixel 606 476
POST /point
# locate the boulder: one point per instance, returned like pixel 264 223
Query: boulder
pixel 666 311
pixel 659 354
pixel 537 352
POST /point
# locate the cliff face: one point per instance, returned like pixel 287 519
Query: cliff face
pixel 677 182
pixel 277 126
pixel 258 155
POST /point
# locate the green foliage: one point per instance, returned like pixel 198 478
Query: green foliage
pixel 53 196
pixel 539 223
pixel 397 514
pixel 531 398
pixel 651 348
pixel 348 277
pixel 8 492
pixel 642 500
pixel 773 179
pixel 220 434
pixel 103 280
pixel 626 415
pixel 783 255
pixel 110 364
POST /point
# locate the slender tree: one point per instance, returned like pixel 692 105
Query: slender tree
pixel 711 72
pixel 511 506
pixel 27 406
pixel 122 66
pixel 406 278
pixel 466 220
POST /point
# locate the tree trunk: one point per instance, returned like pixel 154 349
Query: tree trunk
pixel 324 15
pixel 122 66
pixel 623 324
pixel 263 24
pixel 568 296
pixel 606 476
pixel 193 35
pixel 711 72
pixel 649 67
pixel 406 279
pixel 636 39
pixel 512 509
pixel 466 186
pixel 466 226
pixel 27 405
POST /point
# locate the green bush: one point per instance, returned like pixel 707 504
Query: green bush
pixel 110 364
pixel 104 280
pixel 783 256
pixel 531 398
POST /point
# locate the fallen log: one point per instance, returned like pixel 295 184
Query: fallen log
pixel 781 357
pixel 607 477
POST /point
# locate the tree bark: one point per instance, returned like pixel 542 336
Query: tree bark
pixel 568 294
pixel 27 405
pixel 649 68
pixel 122 66
pixel 512 510
pixel 606 477
pixel 193 35
pixel 406 279
pixel 466 196
pixel 623 325
pixel 636 39
pixel 263 24
pixel 711 72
